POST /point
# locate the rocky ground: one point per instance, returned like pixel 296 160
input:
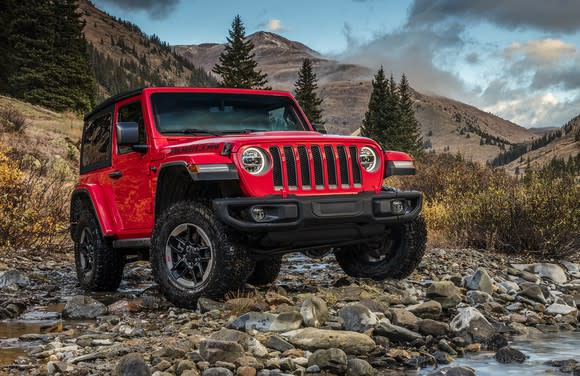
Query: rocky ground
pixel 313 320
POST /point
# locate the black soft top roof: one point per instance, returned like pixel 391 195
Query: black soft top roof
pixel 114 99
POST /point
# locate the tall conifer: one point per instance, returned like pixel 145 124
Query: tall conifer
pixel 375 115
pixel 412 141
pixel 305 93
pixel 237 65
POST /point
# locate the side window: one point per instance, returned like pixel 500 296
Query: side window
pixel 96 145
pixel 132 113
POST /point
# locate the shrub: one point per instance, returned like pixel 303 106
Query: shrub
pixel 33 202
pixel 469 204
pixel 12 120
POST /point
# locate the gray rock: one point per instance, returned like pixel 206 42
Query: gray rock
pixel 534 292
pixel 432 327
pixel 83 307
pixel 396 333
pixel 443 289
pixel 442 357
pixel 480 281
pixel 453 371
pixel 509 355
pixel 359 367
pixel 55 368
pixel 248 342
pixel 184 365
pixel 278 343
pixel 479 297
pixel 357 318
pixel 217 371
pixel 213 350
pixel 268 322
pixel 333 360
pixel 471 325
pixel 431 309
pixel 561 309
pixel 313 369
pixel 314 339
pixel 510 286
pixel 13 277
pixel 132 365
pixel 550 271
pixel 205 305
pixel 403 317
pixel 314 311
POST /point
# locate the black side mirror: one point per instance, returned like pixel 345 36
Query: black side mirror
pixel 319 128
pixel 127 133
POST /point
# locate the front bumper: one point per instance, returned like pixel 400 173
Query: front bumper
pixel 281 214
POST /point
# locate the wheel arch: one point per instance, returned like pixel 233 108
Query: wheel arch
pixel 86 197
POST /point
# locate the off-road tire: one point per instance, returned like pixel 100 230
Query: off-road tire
pixel 228 269
pixel 106 269
pixel 265 271
pixel 405 255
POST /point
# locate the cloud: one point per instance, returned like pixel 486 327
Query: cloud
pixel 412 51
pixel 543 51
pixel 472 58
pixel 551 16
pixel 157 9
pixel 274 25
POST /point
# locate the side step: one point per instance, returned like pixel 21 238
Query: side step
pixel 132 243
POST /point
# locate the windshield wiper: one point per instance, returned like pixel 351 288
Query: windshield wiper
pixel 195 131
pixel 244 131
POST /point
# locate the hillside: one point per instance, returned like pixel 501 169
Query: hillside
pixel 564 143
pixel 124 57
pixel 447 125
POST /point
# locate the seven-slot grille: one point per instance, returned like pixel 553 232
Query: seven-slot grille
pixel 308 167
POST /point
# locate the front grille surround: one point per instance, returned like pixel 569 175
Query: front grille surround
pixel 311 167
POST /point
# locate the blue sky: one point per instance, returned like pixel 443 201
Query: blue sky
pixel 518 59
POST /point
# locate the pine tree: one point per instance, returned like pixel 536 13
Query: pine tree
pixel 237 65
pixel 391 126
pixel 375 115
pixel 305 93
pixel 6 17
pixel 412 141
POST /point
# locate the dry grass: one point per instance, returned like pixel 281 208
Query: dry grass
pixel 240 302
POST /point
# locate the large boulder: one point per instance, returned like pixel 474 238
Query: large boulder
pixel 550 271
pixel 13 277
pixel 470 324
pixel 83 307
pixel 248 342
pixel 359 367
pixel 314 339
pixel 534 292
pixel 509 355
pixel 432 327
pixel 268 322
pixel 314 311
pixel 132 364
pixel 213 350
pixel 403 317
pixel 357 318
pixel 444 292
pixel 333 360
pixel 561 309
pixel 480 281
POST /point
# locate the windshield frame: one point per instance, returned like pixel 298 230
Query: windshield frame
pixel 291 102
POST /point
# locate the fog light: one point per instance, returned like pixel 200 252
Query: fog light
pixel 258 214
pixel 397 207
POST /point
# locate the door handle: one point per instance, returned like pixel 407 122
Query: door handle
pixel 115 174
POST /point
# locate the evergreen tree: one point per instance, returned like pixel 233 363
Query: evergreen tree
pixel 6 17
pixel 305 93
pixel 410 131
pixel 391 127
pixel 237 65
pixel 375 115
pixel 49 56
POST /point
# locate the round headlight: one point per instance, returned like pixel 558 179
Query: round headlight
pixel 254 161
pixel 368 159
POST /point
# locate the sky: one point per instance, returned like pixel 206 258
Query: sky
pixel 518 59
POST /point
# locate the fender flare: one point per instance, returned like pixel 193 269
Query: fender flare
pixel 89 195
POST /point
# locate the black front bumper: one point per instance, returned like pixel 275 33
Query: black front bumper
pixel 282 214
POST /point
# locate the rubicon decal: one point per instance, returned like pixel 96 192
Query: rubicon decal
pixel 195 148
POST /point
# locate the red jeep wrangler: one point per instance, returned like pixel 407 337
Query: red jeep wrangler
pixel 215 185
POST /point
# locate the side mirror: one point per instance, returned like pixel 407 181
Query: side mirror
pixel 319 128
pixel 127 133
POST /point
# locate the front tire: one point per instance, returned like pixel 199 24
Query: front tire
pixel 192 255
pixel 99 266
pixel 397 257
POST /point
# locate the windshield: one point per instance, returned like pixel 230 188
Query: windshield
pixel 218 113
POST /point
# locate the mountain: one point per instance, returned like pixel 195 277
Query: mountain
pixel 562 143
pixel 124 57
pixel 447 125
